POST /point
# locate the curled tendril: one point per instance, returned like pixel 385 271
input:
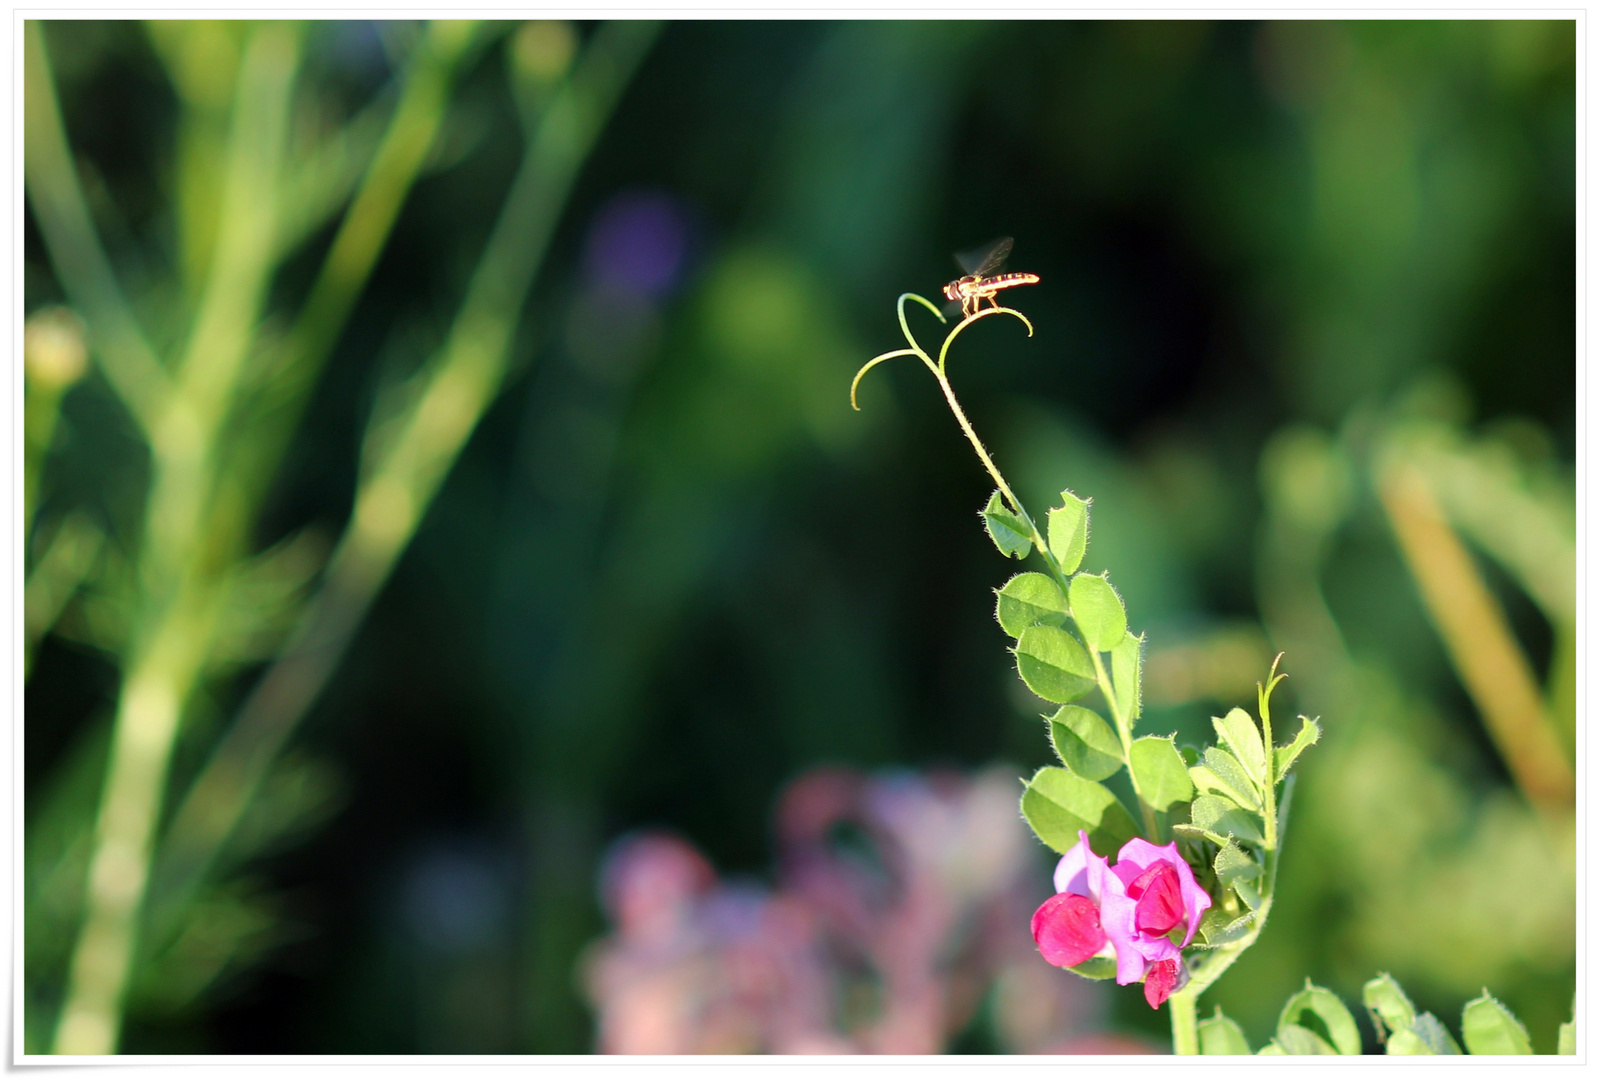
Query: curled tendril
pixel 936 369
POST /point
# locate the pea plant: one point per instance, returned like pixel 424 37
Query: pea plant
pixel 1170 892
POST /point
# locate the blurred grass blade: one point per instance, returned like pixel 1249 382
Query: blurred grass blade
pixel 298 360
pixel 394 495
pixel 62 568
pixel 85 273
pixel 1482 648
pixel 169 649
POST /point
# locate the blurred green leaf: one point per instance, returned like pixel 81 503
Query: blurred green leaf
pixel 225 928
pixel 1218 928
pixel 1126 675
pixel 1220 1035
pixel 1085 742
pixel 1426 1036
pixel 1284 756
pixel 1220 816
pixel 1027 599
pixel 1567 1041
pixel 1057 805
pixel 1488 1027
pixel 1159 773
pixel 1298 1041
pixel 1067 531
pixel 1011 536
pixel 1096 967
pixel 1236 783
pixel 1098 611
pixel 1243 738
pixel 1053 664
pixel 1247 891
pixel 1232 864
pixel 1388 1005
pixel 1322 1013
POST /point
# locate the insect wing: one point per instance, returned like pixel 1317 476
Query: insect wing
pixel 986 260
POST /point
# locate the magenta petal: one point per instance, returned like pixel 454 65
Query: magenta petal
pixel 1073 871
pixel 1160 981
pixel 1067 929
pixel 1137 856
pixel 1159 907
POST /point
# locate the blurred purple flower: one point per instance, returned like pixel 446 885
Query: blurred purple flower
pixel 638 244
pixel 899 905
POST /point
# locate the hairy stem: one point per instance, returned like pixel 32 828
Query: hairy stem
pixel 1181 1011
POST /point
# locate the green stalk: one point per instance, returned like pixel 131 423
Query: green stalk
pixel 1186 1033
pixel 177 558
pixel 397 489
pixel 1124 723
pixel 197 828
pixel 120 349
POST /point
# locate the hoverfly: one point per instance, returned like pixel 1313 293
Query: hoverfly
pixel 980 281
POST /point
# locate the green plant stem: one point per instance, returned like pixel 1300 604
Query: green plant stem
pixel 1181 1011
pixel 61 569
pixel 1210 966
pixel 1124 723
pixel 59 206
pixel 265 429
pixel 177 558
pixel 398 488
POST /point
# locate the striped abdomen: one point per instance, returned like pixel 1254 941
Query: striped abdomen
pixel 1003 281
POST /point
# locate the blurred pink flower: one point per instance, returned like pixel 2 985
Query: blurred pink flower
pixel 1126 911
pixel 898 909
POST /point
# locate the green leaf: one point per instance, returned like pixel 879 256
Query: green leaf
pixel 1236 782
pixel 1058 804
pixel 1218 929
pixel 1426 1036
pixel 1027 599
pixel 1011 536
pixel 1407 1043
pixel 1159 773
pixel 1320 1012
pixel 1220 816
pixel 1270 1049
pixel 1488 1027
pixel 1299 1041
pixel 1053 664
pixel 1566 1042
pixel 1096 967
pixel 1247 891
pixel 1067 529
pixel 1233 865
pixel 1085 743
pixel 1098 610
pixel 1126 675
pixel 1243 738
pixel 1388 1005
pixel 1220 1035
pixel 1284 756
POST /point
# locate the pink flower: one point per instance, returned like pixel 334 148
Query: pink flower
pixel 1125 911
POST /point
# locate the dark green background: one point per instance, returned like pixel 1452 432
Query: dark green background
pixel 1238 227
